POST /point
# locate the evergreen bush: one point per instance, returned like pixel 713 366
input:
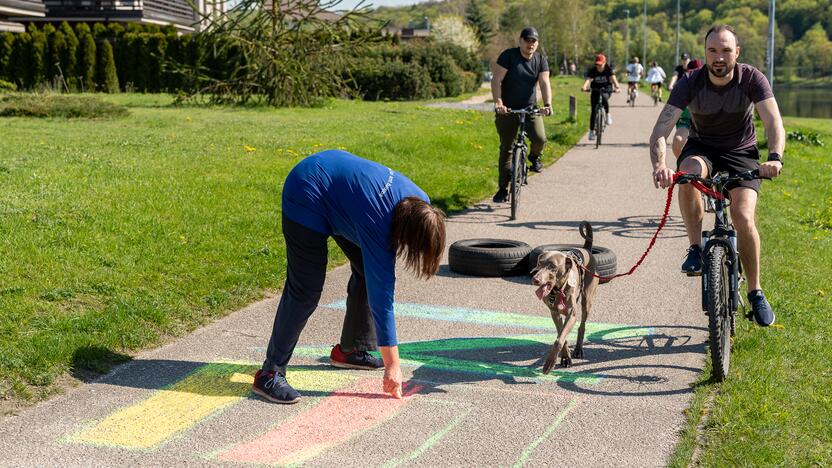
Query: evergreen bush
pixel 376 80
pixel 87 62
pixel 106 76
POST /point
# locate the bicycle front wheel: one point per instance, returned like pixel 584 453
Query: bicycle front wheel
pixel 518 161
pixel 719 311
pixel 600 121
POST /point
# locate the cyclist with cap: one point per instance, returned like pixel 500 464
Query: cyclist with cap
pixel 600 79
pixel 634 73
pixel 679 71
pixel 516 75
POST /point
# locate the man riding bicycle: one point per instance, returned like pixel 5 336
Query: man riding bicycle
pixel 634 73
pixel 516 74
pixel 721 98
pixel 601 79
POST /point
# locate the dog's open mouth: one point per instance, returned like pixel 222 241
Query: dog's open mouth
pixel 544 290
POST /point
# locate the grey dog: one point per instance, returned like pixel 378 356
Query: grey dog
pixel 564 278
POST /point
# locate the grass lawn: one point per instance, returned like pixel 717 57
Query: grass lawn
pixel 776 406
pixel 116 235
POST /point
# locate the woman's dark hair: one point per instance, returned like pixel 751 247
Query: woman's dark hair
pixel 418 235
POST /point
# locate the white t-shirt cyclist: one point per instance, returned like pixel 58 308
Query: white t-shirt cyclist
pixel 655 75
pixel 634 72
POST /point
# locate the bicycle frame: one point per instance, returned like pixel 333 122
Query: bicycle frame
pixel 723 233
pixel 519 170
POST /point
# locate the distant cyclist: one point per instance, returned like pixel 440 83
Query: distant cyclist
pixel 635 71
pixel 656 76
pixel 722 97
pixel 601 80
pixel 679 71
pixel 517 72
pixel 683 125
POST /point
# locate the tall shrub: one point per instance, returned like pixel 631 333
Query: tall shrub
pixel 69 56
pixel 20 65
pixel 87 62
pixel 6 47
pixel 156 48
pixel 107 79
pixel 56 48
pixel 37 57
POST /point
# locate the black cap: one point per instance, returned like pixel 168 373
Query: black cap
pixel 529 33
pixel 685 56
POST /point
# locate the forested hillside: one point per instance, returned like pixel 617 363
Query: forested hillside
pixel 575 29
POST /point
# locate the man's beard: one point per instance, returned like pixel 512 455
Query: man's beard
pixel 720 74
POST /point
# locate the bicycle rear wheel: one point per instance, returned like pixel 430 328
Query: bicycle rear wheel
pixel 719 311
pixel 600 121
pixel 518 161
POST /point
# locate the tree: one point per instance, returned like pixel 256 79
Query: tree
pixel 106 76
pixel 69 56
pixel 476 16
pixel 571 25
pixel 812 55
pixel 283 53
pixel 87 62
pixel 512 19
pixel 6 47
pixel 452 29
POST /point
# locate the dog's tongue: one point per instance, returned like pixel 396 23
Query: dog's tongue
pixel 543 291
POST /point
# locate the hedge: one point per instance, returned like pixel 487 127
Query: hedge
pixel 137 58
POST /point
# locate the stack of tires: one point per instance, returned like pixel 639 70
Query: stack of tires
pixel 502 257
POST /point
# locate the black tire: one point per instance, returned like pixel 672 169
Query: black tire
pixel 600 121
pixel 719 314
pixel 517 164
pixel 605 258
pixel 489 257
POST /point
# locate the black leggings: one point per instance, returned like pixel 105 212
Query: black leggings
pixel 593 100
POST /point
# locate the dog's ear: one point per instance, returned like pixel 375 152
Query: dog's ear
pixel 571 272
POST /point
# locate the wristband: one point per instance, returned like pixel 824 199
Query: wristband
pixel 775 157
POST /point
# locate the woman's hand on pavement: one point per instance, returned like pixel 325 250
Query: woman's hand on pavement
pixel 393 381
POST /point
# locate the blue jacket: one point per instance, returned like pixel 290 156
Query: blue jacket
pixel 337 193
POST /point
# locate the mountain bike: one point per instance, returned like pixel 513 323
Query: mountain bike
pixel 721 268
pixel 600 116
pixel 519 169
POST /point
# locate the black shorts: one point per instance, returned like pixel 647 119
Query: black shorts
pixel 718 160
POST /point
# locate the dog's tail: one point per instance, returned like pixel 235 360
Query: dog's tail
pixel 586 232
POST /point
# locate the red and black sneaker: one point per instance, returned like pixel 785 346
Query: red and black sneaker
pixel 273 387
pixel 355 359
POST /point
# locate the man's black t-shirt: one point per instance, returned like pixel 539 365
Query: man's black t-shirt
pixel 680 71
pixel 518 87
pixel 601 80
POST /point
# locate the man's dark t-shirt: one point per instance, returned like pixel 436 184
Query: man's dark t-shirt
pixel 680 71
pixel 601 80
pixel 722 116
pixel 518 86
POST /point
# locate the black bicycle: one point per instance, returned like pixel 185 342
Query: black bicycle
pixel 600 116
pixel 519 169
pixel 721 268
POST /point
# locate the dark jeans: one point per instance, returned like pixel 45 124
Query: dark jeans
pixel 507 126
pixel 593 101
pixel 306 257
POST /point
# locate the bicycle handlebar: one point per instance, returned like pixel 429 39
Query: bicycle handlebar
pixel 527 111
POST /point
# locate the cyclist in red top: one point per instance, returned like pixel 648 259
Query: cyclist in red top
pixel 722 97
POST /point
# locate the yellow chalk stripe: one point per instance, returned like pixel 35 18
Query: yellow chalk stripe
pixel 207 390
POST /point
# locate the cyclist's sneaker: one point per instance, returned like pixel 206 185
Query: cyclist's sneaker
pixel 591 135
pixel 692 265
pixel 501 196
pixel 356 359
pixel 763 313
pixel 273 387
pixel 537 164
pixel 609 119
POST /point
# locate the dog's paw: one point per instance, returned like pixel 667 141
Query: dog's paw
pixel 566 362
pixel 578 353
pixel 550 363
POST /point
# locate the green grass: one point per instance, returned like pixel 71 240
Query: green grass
pixel 59 106
pixel 118 234
pixel 776 406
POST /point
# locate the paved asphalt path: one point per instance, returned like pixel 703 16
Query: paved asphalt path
pixel 472 350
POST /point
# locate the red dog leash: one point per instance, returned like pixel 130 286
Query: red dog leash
pixel 699 185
